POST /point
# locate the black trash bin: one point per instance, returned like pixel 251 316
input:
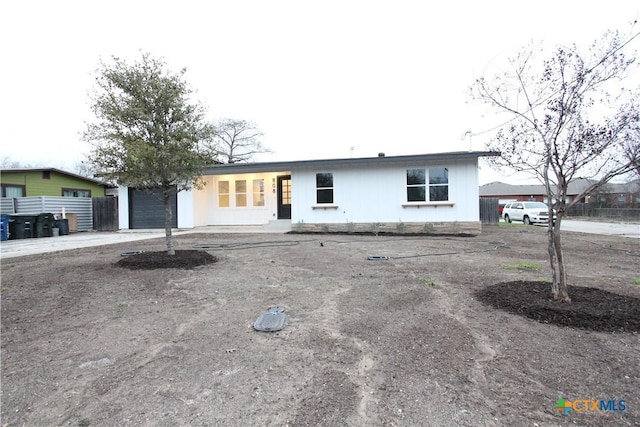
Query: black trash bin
pixel 21 226
pixel 62 225
pixel 44 225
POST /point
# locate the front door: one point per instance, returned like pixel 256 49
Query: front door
pixel 284 197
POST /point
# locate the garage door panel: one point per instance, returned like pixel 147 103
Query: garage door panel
pixel 146 209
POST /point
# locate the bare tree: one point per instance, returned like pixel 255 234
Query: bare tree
pixel 85 167
pixel 564 125
pixel 235 141
pixel 631 150
pixel 6 162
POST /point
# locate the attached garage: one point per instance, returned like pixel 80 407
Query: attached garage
pixel 146 209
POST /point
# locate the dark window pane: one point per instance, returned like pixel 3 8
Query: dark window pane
pixel 324 180
pixel 439 193
pixel 415 176
pixel 325 196
pixel 438 176
pixel 415 194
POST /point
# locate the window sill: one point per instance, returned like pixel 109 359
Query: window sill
pixel 427 204
pixel 327 206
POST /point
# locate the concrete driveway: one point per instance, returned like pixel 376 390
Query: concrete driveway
pixel 623 229
pixel 85 239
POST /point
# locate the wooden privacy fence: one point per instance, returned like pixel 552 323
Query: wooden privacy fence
pixel 105 213
pixel 489 213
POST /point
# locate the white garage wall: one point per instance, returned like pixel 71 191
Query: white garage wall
pixel 185 209
pixel 376 194
pixel 123 207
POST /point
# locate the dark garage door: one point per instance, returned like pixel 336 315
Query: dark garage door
pixel 146 209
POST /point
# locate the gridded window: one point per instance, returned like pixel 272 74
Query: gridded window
pixel 223 194
pixel 74 192
pixel 416 184
pixel 241 193
pixel 258 192
pixel 324 187
pixel 285 191
pixel 438 184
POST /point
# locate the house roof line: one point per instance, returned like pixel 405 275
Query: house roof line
pixel 86 178
pixel 577 186
pixel 231 168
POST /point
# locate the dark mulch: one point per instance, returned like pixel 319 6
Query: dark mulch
pixel 152 260
pixel 591 309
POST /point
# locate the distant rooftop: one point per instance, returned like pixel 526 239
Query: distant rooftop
pixel 60 171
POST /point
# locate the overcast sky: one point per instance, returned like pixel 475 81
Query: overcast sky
pixel 318 78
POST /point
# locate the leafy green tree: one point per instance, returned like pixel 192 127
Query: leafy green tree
pixel 147 133
pixel 569 117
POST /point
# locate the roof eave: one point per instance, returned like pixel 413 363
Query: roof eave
pixel 237 168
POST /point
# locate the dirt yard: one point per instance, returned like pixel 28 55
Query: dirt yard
pixel 402 341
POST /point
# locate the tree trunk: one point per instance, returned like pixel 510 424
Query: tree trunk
pixel 563 292
pixel 552 260
pixel 167 222
pixel 551 230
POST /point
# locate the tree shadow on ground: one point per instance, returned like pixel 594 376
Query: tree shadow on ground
pixel 185 259
pixel 591 308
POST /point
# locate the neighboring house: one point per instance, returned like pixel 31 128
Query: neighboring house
pixel 27 182
pixel 416 193
pixel 617 194
pixel 610 193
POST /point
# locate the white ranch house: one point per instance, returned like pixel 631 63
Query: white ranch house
pixel 415 193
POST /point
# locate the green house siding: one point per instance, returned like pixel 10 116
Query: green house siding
pixel 37 185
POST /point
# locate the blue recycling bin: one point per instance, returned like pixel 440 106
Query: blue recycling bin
pixel 4 227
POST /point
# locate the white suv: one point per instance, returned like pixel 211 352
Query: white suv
pixel 527 212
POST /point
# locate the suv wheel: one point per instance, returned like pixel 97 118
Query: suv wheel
pixel 526 220
pixel 507 219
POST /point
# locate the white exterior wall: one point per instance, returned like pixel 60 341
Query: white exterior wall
pixel 185 209
pixel 123 207
pixel 376 194
pixel 207 211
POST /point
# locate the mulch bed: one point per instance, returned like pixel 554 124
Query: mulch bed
pixel 590 308
pixel 185 259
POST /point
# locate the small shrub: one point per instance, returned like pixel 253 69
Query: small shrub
pixel 523 265
pixel 430 283
pixel 428 228
pixel 375 227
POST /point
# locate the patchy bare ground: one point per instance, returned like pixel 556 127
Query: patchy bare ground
pixel 398 341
